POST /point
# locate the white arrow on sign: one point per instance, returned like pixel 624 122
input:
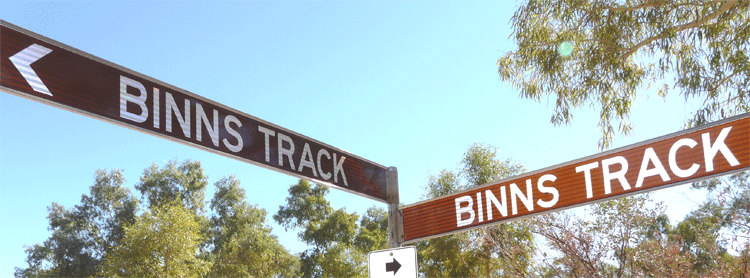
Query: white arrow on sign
pixel 23 60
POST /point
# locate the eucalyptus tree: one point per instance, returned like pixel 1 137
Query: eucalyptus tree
pixel 185 181
pixel 604 53
pixel 163 242
pixel 500 250
pixel 111 233
pixel 242 242
pixel 338 241
pixel 83 234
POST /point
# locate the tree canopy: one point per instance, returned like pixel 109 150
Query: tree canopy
pixel 169 233
pixel 500 250
pixel 82 235
pixel 604 53
pixel 242 241
pixel 112 233
pixel 162 242
pixel 338 243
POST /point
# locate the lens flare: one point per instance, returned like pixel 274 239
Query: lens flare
pixel 565 48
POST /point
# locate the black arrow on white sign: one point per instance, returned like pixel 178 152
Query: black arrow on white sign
pixel 394 266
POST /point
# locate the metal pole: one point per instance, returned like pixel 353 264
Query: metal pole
pixel 395 216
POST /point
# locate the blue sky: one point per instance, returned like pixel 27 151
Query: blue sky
pixel 404 84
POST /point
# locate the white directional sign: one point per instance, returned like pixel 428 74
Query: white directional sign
pixel 397 262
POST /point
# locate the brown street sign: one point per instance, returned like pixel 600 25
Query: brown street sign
pixel 712 150
pixel 44 70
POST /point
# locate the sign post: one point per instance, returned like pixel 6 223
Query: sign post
pixel 44 70
pixel 691 155
pixel 395 217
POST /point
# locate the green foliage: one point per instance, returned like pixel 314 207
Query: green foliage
pixel 82 235
pixel 725 215
pixel 631 237
pixel 177 181
pixel 615 240
pixel 625 237
pixel 480 165
pixel 338 243
pixel 243 244
pixel 109 208
pixel 305 204
pixel 172 237
pixel 163 242
pixel 185 182
pixel 500 250
pixel 371 234
pixel 620 47
pixel 731 200
pixel 699 235
pixel 612 49
pixel 622 224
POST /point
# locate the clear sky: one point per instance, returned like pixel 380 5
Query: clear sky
pixel 404 84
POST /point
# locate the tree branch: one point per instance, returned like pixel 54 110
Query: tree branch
pixel 641 6
pixel 695 23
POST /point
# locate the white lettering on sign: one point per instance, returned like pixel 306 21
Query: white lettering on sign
pixel 649 157
pixel 528 200
pixel 619 175
pixel 460 210
pixel 502 207
pixel 474 208
pixel 586 168
pixel 547 190
pixel 85 84
pixel 338 167
pixel 173 109
pixel 716 149
pixel 323 174
pixel 228 120
pixel 710 151
pixel 285 151
pixel 684 142
pixel 212 127
pixel 126 98
pixel 182 114
pixel 285 148
pixel 465 204
pixel 306 160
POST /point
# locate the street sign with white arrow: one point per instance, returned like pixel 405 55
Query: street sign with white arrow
pixel 396 262
pixel 41 69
